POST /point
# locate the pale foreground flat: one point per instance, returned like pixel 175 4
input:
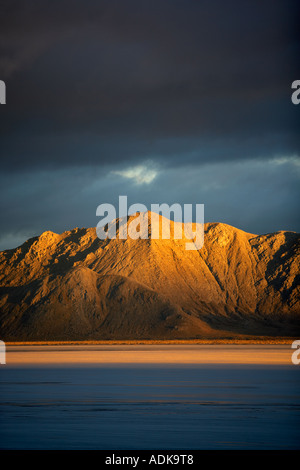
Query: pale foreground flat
pixel 149 354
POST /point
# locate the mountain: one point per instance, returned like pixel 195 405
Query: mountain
pixel 74 286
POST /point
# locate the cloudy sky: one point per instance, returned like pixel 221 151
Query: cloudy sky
pixel 163 101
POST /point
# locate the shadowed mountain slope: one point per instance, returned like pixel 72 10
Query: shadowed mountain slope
pixel 75 286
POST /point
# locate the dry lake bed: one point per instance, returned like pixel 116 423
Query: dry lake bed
pixel 149 354
pixel 150 397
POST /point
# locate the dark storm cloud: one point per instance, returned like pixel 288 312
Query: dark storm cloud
pixel 120 81
pixel 196 93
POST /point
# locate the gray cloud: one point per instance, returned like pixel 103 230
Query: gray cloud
pixel 257 196
pixel 200 89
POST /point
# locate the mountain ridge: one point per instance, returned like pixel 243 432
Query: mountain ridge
pixel 74 286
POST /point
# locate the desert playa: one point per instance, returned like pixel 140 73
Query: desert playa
pixel 102 354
